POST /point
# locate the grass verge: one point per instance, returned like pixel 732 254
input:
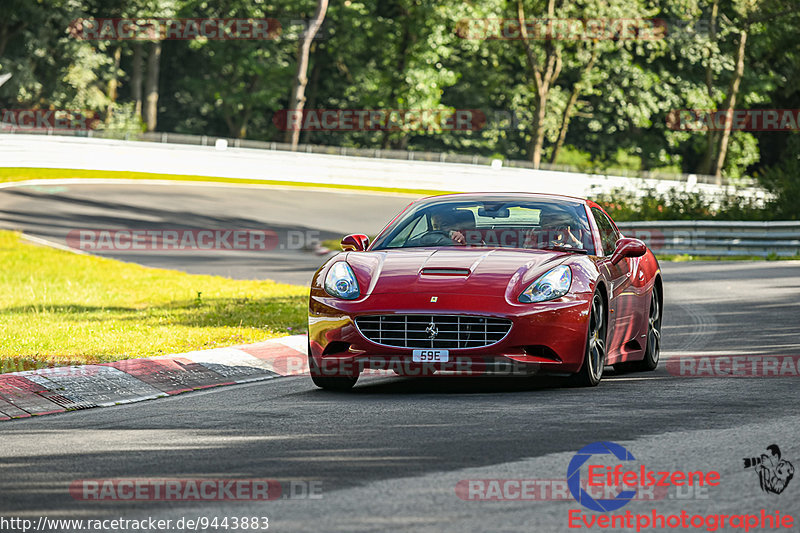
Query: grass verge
pixel 13 174
pixel 64 308
pixel 686 257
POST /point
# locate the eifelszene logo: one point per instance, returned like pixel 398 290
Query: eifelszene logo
pixel 574 476
pixel 631 479
pixel 774 473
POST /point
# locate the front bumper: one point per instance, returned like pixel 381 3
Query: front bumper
pixel 548 337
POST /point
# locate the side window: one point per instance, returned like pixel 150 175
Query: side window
pixel 608 235
pixel 413 229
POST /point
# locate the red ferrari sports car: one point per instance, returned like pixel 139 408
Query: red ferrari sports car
pixel 495 283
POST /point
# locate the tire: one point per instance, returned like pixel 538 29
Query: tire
pixel 338 383
pixel 652 351
pixel 594 357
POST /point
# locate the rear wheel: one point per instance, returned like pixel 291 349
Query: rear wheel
pixel 594 358
pixel 340 383
pixel 652 351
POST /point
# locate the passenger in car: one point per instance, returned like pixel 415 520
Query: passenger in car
pixel 556 228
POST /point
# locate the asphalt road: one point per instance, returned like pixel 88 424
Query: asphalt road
pixel 299 218
pixel 389 454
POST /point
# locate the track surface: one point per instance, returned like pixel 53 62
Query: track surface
pixel 298 217
pixel 390 453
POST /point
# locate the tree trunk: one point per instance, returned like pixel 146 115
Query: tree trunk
pixel 542 80
pixel 113 83
pixel 733 93
pixel 537 128
pixel 573 99
pixel 312 95
pixel 238 129
pixel 711 136
pixel 298 99
pixel 151 87
pixel 7 32
pixel 136 78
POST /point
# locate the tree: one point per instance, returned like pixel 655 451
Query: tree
pixel 230 87
pixel 544 72
pixel 151 86
pixel 298 98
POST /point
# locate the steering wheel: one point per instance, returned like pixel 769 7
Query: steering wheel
pixel 436 238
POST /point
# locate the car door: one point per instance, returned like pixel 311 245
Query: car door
pixel 621 299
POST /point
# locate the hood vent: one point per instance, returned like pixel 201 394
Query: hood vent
pixel 441 271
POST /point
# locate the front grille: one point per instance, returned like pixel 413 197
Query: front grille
pixel 433 331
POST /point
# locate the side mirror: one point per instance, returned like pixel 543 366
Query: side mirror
pixel 627 247
pixel 355 243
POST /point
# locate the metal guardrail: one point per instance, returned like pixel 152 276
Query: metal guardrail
pixel 718 238
pixel 408 155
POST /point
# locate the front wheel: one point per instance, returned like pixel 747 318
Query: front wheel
pixel 340 383
pixel 594 358
pixel 337 383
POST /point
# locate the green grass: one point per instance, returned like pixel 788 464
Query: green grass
pixel 13 174
pixel 61 308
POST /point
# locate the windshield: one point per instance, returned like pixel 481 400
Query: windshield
pixel 492 223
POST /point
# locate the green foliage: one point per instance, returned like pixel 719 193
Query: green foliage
pixel 122 122
pixel 648 204
pixel 783 180
pixel 410 54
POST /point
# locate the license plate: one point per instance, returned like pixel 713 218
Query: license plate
pixel 430 356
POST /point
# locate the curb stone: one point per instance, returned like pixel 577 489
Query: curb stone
pixel 70 388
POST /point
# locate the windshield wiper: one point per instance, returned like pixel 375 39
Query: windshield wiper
pixel 558 248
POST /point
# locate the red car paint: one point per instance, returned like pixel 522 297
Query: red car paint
pixel 548 337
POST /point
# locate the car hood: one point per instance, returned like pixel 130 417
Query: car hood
pixel 463 271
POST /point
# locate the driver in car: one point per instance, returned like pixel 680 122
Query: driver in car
pixel 445 222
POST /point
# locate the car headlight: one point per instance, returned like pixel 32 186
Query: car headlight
pixel 341 282
pixel 553 284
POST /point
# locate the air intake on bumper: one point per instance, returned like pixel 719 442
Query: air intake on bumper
pixel 433 331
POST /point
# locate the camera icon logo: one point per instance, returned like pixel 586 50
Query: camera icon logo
pixel 774 473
